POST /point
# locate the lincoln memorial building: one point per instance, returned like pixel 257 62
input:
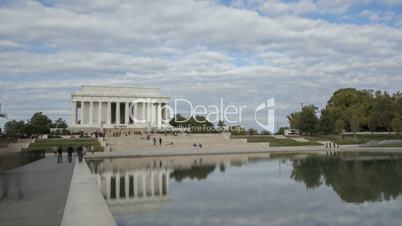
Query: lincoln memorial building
pixel 96 107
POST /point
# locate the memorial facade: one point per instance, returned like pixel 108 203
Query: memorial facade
pixel 96 107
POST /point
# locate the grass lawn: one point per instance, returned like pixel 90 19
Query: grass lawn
pixel 47 144
pixel 4 141
pixel 349 139
pixel 388 146
pixel 274 142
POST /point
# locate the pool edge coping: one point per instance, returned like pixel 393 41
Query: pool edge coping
pixel 85 205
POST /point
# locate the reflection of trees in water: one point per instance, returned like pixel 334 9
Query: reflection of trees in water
pixel 195 172
pixel 353 181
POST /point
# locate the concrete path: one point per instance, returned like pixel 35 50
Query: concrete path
pixel 85 205
pixel 18 146
pixel 44 185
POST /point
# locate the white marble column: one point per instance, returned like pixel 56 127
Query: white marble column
pixel 167 182
pixel 160 183
pixel 149 118
pixel 143 113
pixel 166 109
pixel 127 185
pixel 91 111
pixel 82 113
pixel 152 185
pixel 74 116
pixel 108 186
pixel 135 184
pixel 100 113
pixel 126 115
pixel 117 113
pixel 159 115
pixel 109 113
pixel 117 186
pixel 144 194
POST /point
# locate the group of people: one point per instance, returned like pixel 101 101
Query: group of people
pixel 119 133
pixel 160 140
pixel 81 151
pixel 195 145
pixel 155 141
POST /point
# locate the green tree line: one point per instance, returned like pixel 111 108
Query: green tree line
pixel 197 124
pixel 38 124
pixel 351 110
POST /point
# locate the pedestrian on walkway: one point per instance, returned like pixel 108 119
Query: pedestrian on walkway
pixel 160 141
pixel 154 140
pixel 80 153
pixel 59 155
pixel 70 151
pixel 92 149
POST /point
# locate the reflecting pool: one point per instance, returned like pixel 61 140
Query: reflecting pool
pixel 254 189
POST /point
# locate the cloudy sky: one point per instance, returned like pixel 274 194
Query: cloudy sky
pixel 245 51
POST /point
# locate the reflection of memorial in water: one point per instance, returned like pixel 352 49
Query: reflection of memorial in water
pixel 134 185
pixel 138 185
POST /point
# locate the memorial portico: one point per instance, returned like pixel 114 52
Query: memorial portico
pixel 111 106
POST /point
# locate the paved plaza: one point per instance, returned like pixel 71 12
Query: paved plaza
pixel 43 187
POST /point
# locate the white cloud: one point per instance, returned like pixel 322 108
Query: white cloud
pixel 339 6
pixel 383 16
pixel 194 49
pixel 277 7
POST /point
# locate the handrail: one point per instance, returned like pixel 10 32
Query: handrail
pixel 10 160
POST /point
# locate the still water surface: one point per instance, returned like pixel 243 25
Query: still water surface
pixel 353 189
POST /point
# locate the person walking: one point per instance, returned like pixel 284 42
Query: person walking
pixel 59 155
pixel 92 149
pixel 70 151
pixel 154 140
pixel 160 141
pixel 80 153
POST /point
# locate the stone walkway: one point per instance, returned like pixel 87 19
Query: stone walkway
pixel 44 185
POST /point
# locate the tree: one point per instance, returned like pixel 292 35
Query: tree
pixel 396 123
pixel 326 123
pixel 294 120
pixel 40 124
pixel 252 131
pixel 372 124
pixel 221 124
pixel 360 110
pixel 14 128
pixel 309 119
pixel 2 115
pixel 237 130
pixel 354 124
pixel 196 123
pixel 343 101
pixel 339 127
pixel 383 109
pixel 281 130
pixel 60 123
pixel 306 120
pixel 178 120
pixel 265 132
